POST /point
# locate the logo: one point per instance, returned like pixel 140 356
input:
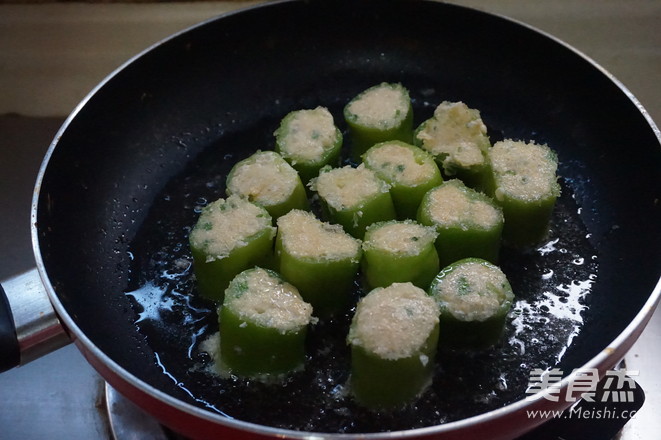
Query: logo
pixel 618 386
pixel 612 396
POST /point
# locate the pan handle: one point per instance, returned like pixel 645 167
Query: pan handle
pixel 29 326
pixel 11 354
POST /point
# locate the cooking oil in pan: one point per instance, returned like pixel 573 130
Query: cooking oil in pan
pixel 551 284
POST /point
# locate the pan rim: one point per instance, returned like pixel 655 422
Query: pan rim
pixel 603 360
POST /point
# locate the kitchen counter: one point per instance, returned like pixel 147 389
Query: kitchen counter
pixel 53 54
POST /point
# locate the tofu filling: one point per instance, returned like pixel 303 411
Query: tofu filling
pixel 450 205
pixel 400 164
pixel 394 322
pixel 473 291
pixel 456 134
pixel 309 135
pixel 347 187
pixel 263 178
pixel 304 236
pixel 384 106
pixel 524 171
pixel 404 238
pixel 228 224
pixel 268 301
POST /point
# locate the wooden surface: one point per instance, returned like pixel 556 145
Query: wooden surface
pixel 53 54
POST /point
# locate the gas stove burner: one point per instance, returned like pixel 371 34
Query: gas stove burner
pixel 128 422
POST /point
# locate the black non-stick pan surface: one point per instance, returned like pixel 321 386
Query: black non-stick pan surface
pixel 133 166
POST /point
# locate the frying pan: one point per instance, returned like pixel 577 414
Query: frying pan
pixel 126 175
